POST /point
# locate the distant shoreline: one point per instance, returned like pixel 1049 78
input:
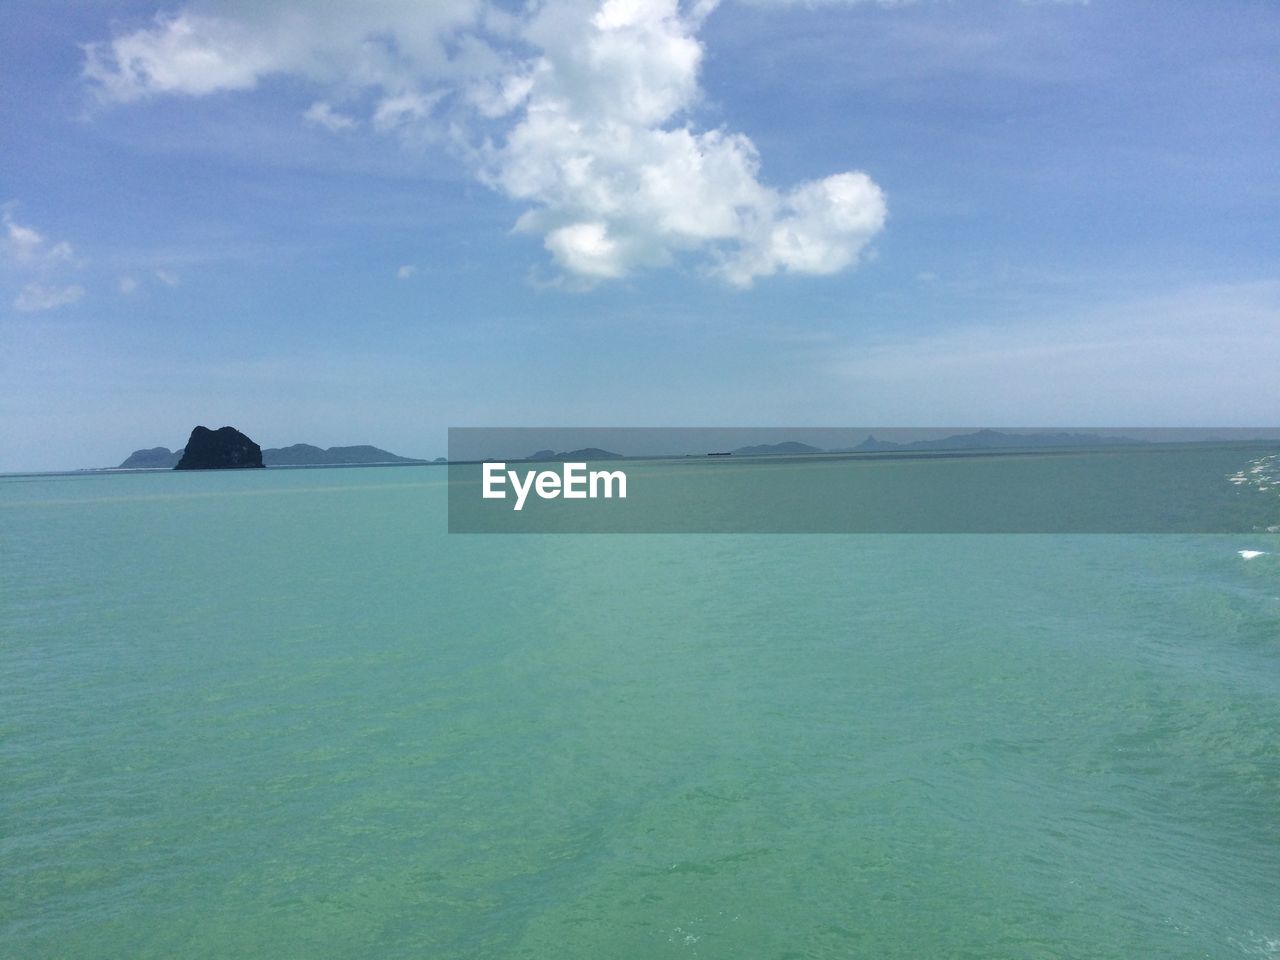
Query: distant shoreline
pixel 818 456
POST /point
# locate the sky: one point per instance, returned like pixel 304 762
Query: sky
pixel 366 223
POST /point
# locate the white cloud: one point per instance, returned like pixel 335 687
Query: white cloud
pixel 406 271
pixel 230 46
pixel 127 285
pixel 591 102
pixel 499 96
pixel 184 53
pixel 618 180
pixel 37 296
pixel 26 246
pixel 27 250
pixel 22 241
pixel 323 115
pixel 587 249
pixel 819 228
pixel 168 278
pixel 404 108
pixel 832 3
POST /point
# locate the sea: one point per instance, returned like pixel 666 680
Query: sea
pixel 285 714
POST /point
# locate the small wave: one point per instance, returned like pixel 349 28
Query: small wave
pixel 1250 554
pixel 1260 474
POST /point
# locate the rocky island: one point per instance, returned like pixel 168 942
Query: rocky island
pixel 223 449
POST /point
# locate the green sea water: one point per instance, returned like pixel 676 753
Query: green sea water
pixel 279 714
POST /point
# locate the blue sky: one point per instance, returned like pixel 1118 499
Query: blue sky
pixel 366 223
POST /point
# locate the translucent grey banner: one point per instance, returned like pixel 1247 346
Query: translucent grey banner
pixel 863 480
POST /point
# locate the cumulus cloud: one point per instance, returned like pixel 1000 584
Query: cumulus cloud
pixel 37 296
pixel 832 3
pixel 585 108
pixel 618 179
pixel 818 228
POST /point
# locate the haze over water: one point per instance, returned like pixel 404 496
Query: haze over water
pixel 284 714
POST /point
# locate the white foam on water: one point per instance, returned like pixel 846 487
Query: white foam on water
pixel 1250 554
pixel 1257 946
pixel 1262 474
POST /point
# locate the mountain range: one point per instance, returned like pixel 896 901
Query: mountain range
pixel 297 455
pixel 978 440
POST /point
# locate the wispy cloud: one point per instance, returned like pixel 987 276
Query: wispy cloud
pixel 406 271
pixel 227 46
pixel 168 278
pixel 323 115
pixel 26 246
pixel 28 253
pixel 35 297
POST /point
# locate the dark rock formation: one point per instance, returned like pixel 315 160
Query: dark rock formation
pixel 156 457
pixel 226 448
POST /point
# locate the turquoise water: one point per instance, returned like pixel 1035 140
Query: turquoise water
pixel 284 714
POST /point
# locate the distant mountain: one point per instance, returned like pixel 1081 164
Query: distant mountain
pixel 305 455
pixel 155 458
pixel 769 449
pixel 978 440
pixel 298 455
pixel 586 453
pixel 872 444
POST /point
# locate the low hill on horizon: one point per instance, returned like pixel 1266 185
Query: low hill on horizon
pixel 792 447
pixel 994 440
pixel 304 454
pixel 586 453
pixel 978 440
